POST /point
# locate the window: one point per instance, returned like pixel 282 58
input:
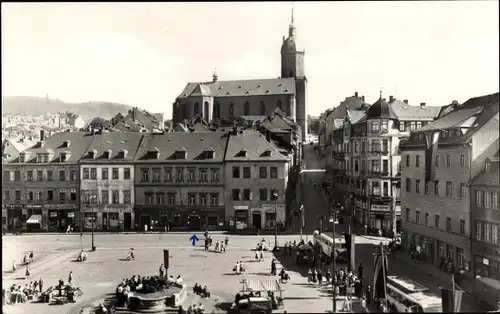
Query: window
pixel 30 196
pixel 62 196
pixel 385 146
pixel 402 126
pixel 386 188
pixel 6 195
pixel 214 199
pixel 375 126
pixel 478 198
pixel 408 185
pixel 126 195
pixel 408 212
pixel 462 226
pixel 72 194
pixel 494 234
pixel 426 219
pixel 441 249
pixel 168 174
pixel 115 197
pixel 171 199
pixel 105 197
pixel 246 194
pixel 39 195
pixel 462 160
pixel 436 162
pixel 448 224
pixel 73 175
pixel 436 187
pixel 462 190
pixel 191 174
pixel 356 166
pixel 408 161
pixel 494 202
pixel 385 166
pixel 203 199
pixel 215 175
pixel 274 195
pixel 263 194
pixel 179 174
pixel 236 172
pixel 149 197
pixel 419 124
pixel 93 173
pixel 246 108
pixel 116 174
pixel 448 160
pixel 262 108
pixel 62 175
pixel 426 187
pixel 417 161
pixel 263 172
pixel 417 186
pixel 6 175
pixel 485 200
pixel 126 173
pixel 86 175
pixel 160 198
pixel 449 188
pixel 478 230
pixel 203 175
pixel 105 174
pixel 436 221
pixel 236 194
pixel 486 232
pixel 29 175
pixel 413 126
pixel 144 175
pixel 460 257
pixel 50 195
pixel 192 199
pixel 417 216
pixel 156 175
pixel 274 172
pixel 246 172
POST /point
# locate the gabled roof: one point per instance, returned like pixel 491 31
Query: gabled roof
pixel 255 145
pixel 276 124
pixel 278 86
pixel 201 90
pixel 381 110
pixel 179 127
pixel 355 115
pixel 19 144
pixel 115 143
pixel 350 103
pixel 490 178
pixel 53 145
pixel 200 127
pixel 194 143
pixel 406 112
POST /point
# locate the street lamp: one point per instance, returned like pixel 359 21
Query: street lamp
pixel 334 221
pixel 275 196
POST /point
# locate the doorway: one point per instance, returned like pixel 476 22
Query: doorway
pixel 145 220
pixel 127 221
pixel 257 220
pixel 194 222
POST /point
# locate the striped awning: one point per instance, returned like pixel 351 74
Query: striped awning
pixel 34 219
pixel 261 285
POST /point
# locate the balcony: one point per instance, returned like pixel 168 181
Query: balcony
pixel 379 152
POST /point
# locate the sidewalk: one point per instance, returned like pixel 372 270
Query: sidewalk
pixel 112 233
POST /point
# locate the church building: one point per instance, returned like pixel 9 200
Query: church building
pixel 257 97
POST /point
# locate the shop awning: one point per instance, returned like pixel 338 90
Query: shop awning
pixel 35 219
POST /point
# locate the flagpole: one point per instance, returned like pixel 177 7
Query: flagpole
pixel 453 292
pixel 382 253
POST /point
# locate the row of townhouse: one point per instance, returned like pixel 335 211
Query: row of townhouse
pixel 449 189
pixel 196 180
pixel 363 162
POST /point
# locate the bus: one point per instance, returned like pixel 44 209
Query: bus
pixel 406 295
pixel 325 243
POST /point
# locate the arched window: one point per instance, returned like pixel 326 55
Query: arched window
pixel 196 108
pixel 206 108
pixel 262 109
pixel 278 104
pixel 246 108
pixel 231 109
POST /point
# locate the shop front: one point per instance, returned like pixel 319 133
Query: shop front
pixel 380 218
pixel 109 218
pixel 60 217
pixel 16 217
pixel 181 218
pixel 241 217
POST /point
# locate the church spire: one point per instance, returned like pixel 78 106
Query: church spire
pixel 291 28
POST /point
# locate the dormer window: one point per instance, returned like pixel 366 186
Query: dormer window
pixel 66 143
pixel 487 165
pixel 108 153
pixel 242 153
pixel 154 153
pixel 208 154
pixel 22 158
pixel 93 154
pixel 266 153
pixel 181 153
pixel 123 153
pixel 63 157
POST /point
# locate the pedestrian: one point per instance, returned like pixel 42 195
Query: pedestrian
pixel 273 267
pixel 360 272
pixel 14 266
pixel 40 284
pixel 363 304
pixel 369 294
pixel 32 255
pixel 70 278
pixel 162 271
pixel 320 277
pixel 28 272
pixel 261 256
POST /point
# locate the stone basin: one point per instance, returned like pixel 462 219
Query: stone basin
pixel 153 302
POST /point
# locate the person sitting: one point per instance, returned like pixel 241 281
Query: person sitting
pixel 205 293
pixel 171 280
pixel 196 289
pixel 131 255
pixel 200 308
pixel 179 281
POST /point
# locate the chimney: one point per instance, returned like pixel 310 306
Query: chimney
pixel 42 135
pixel 133 114
pixel 391 98
pixel 355 94
pixel 454 103
pixel 405 101
pixel 422 104
pixel 363 98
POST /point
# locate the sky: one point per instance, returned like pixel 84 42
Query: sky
pixel 143 54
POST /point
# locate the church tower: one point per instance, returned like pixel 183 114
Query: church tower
pixel 292 65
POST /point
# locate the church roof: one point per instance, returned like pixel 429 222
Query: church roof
pixel 277 86
pixel 381 110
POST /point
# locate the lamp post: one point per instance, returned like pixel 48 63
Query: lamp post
pixel 275 196
pixel 333 220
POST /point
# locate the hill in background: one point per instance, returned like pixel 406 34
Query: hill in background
pixel 39 106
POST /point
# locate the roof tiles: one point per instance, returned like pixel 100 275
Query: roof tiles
pixel 115 143
pixel 255 146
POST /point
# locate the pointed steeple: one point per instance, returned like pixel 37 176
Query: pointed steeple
pixel 291 28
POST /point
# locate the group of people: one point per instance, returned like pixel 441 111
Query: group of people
pixel 192 309
pixel 238 268
pixel 82 256
pixel 29 291
pixel 202 292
